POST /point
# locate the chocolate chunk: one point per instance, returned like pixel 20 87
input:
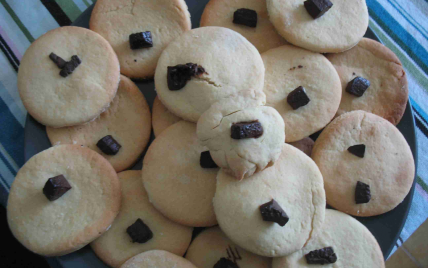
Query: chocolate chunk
pixel 70 66
pixel 245 16
pixel 357 150
pixel 56 187
pixel 362 193
pixel 358 86
pixel 109 145
pixel 245 130
pixel 141 40
pixel 298 98
pixel 177 76
pixel 60 62
pixel 225 263
pixel 321 256
pixel 139 232
pixel 271 211
pixel 317 8
pixel 206 160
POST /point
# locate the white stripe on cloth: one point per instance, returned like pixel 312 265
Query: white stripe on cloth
pixel 6 174
pixel 80 5
pixel 416 15
pixel 8 158
pixel 19 40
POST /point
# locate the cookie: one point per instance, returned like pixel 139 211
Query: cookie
pixel 363 147
pixel 236 67
pixel 288 68
pixel 117 20
pixel 339 29
pixel 115 246
pixel 305 145
pixel 352 243
pixel 296 185
pixel 176 183
pixel 127 120
pixel 75 218
pixel 212 245
pixel 161 117
pixel 221 13
pixel 157 258
pixel 223 129
pixel 81 96
pixel 388 92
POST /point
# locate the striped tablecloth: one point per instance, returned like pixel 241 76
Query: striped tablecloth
pixel 402 25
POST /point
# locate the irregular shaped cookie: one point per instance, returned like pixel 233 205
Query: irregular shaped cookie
pixel 352 243
pixel 89 86
pixel 157 258
pixel 338 29
pixel 388 92
pixel 223 13
pixel 161 117
pixel 165 20
pixel 127 121
pixel 243 207
pixel 116 245
pixel 288 68
pixel 212 247
pixel 305 145
pixel 242 155
pixel 189 90
pixel 85 193
pixel 176 183
pixel 359 149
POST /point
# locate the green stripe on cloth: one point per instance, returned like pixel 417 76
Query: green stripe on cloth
pixel 422 183
pixel 86 3
pixel 17 21
pixel 70 8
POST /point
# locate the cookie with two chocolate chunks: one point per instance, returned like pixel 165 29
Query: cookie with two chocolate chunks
pixel 362 193
pixel 321 256
pixel 225 263
pixel 358 150
pixel 246 130
pixel 206 160
pixel 177 76
pixel 358 86
pixel 245 16
pixel 56 187
pixel 109 145
pixel 298 98
pixel 141 40
pixel 139 232
pixel 272 211
pixel 317 8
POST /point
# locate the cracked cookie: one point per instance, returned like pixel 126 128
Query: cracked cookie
pixel 161 117
pixel 231 65
pixel 157 258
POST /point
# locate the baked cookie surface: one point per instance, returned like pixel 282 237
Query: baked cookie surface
pixel 161 117
pixel 157 258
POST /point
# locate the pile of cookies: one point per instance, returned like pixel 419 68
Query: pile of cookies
pixel 237 100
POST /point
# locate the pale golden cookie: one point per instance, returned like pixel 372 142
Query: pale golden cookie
pixel 161 117
pixel 157 259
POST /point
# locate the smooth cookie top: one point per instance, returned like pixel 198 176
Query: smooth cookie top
pixel 157 258
pixel 161 117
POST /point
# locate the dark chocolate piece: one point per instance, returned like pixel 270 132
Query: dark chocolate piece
pixel 141 40
pixel 358 86
pixel 139 232
pixel 177 76
pixel 298 98
pixel 321 256
pixel 60 62
pixel 245 16
pixel 109 145
pixel 56 187
pixel 362 193
pixel 317 8
pixel 225 263
pixel 245 130
pixel 357 150
pixel 271 211
pixel 70 66
pixel 206 160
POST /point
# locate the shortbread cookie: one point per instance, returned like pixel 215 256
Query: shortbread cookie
pixel 85 193
pixel 116 245
pixel 222 63
pixel 338 29
pixel 165 20
pixel 127 120
pixel 352 243
pixel 222 13
pixel 243 136
pixel 307 110
pixel 388 92
pixel 158 259
pixel 295 185
pixel 212 247
pixel 305 145
pixel 367 165
pixel 80 96
pixel 176 183
pixel 161 117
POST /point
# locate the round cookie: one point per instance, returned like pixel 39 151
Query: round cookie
pixel 241 157
pixel 388 92
pixel 289 67
pixel 295 183
pixel 221 13
pixel 232 65
pixel 387 164
pixel 212 245
pixel 115 246
pixel 127 120
pixel 80 97
pixel 157 258
pixel 339 29
pixel 117 20
pixel 176 183
pixel 161 117
pixel 351 241
pixel 305 145
pixel 59 227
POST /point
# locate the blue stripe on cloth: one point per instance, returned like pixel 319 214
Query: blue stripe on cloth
pixel 8 165
pixel 3 192
pixel 406 17
pixel 416 106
